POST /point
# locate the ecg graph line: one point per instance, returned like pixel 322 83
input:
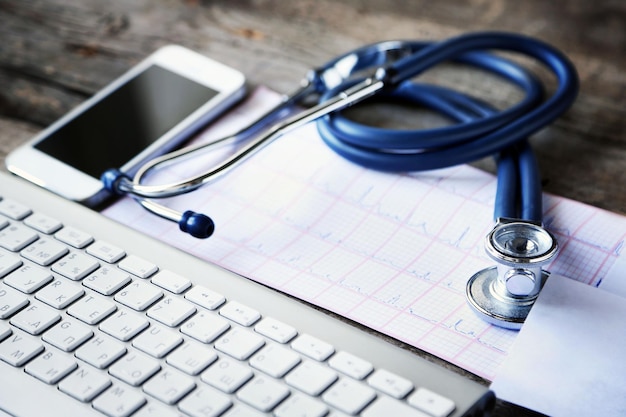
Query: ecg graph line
pixel 392 252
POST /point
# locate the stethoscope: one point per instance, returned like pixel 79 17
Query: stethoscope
pixel 502 295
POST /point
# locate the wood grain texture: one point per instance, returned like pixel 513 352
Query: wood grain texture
pixel 55 53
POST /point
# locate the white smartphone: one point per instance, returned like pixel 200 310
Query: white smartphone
pixel 148 111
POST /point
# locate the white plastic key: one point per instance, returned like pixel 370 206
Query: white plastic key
pixel 274 360
pixel 13 209
pixel 28 279
pixel 227 375
pixel 350 365
pixel 134 368
pixel 191 358
pixel 51 366
pixel 44 251
pixel 205 326
pixel 44 224
pixel 35 318
pixel 68 335
pixel 138 266
pixel 205 402
pixel 8 262
pixel 60 293
pixel 240 313
pixel 239 343
pixel 11 301
pixel 106 251
pixel 386 407
pixel 390 383
pixel 123 325
pixel 204 297
pixel 275 330
pixel 311 377
pixel 312 347
pixel 75 266
pixel 84 384
pixel 16 237
pixel 299 405
pixel 100 351
pixel 157 341
pixel 107 280
pixel 118 401
pixel 431 402
pixel 171 311
pixel 138 295
pixel 74 237
pixel 349 396
pixel 18 349
pixel 170 281
pixel 91 309
pixel 263 393
pixel 169 386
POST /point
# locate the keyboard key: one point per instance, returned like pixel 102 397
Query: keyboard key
pixel 191 358
pixel 42 223
pixel 16 237
pixel 275 330
pixel 124 325
pixel 28 279
pixel 106 251
pixel 35 318
pixel 92 309
pixel 349 396
pixel 68 335
pixel 227 375
pixel 204 297
pixel 138 295
pixel 298 405
pixel 138 266
pixel 240 313
pixel 385 407
pixel 350 365
pixel 170 281
pixel 74 237
pixel 263 393
pixel 313 347
pixel 205 326
pixel 107 280
pixel 101 351
pixel 85 383
pixel 157 341
pixel 75 266
pixel 134 368
pixel 154 409
pixel 60 293
pixel 5 331
pixel 11 301
pixel 17 349
pixel 205 402
pixel 311 377
pixel 8 263
pixel 44 251
pixel 169 386
pixel 275 360
pixel 239 343
pixel 431 402
pixel 390 383
pixel 171 311
pixel 13 209
pixel 51 366
pixel 119 401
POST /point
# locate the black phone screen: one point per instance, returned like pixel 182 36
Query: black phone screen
pixel 121 125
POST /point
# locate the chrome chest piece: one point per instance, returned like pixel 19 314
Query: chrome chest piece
pixel 504 294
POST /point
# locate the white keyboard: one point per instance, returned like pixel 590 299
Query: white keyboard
pixel 96 319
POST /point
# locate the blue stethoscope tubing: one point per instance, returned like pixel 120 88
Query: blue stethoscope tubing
pixel 480 130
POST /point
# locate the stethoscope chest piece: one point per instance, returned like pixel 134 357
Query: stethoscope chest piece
pixel 504 294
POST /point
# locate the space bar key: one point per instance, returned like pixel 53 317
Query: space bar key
pixel 385 407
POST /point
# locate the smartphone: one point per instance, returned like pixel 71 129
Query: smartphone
pixel 151 109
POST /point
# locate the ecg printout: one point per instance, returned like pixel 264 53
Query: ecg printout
pixel 390 251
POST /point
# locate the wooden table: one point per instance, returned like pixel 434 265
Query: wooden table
pixel 55 53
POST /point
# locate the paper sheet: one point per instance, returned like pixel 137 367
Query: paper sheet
pixel 391 251
pixel 568 359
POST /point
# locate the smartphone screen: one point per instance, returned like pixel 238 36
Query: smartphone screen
pixel 122 124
